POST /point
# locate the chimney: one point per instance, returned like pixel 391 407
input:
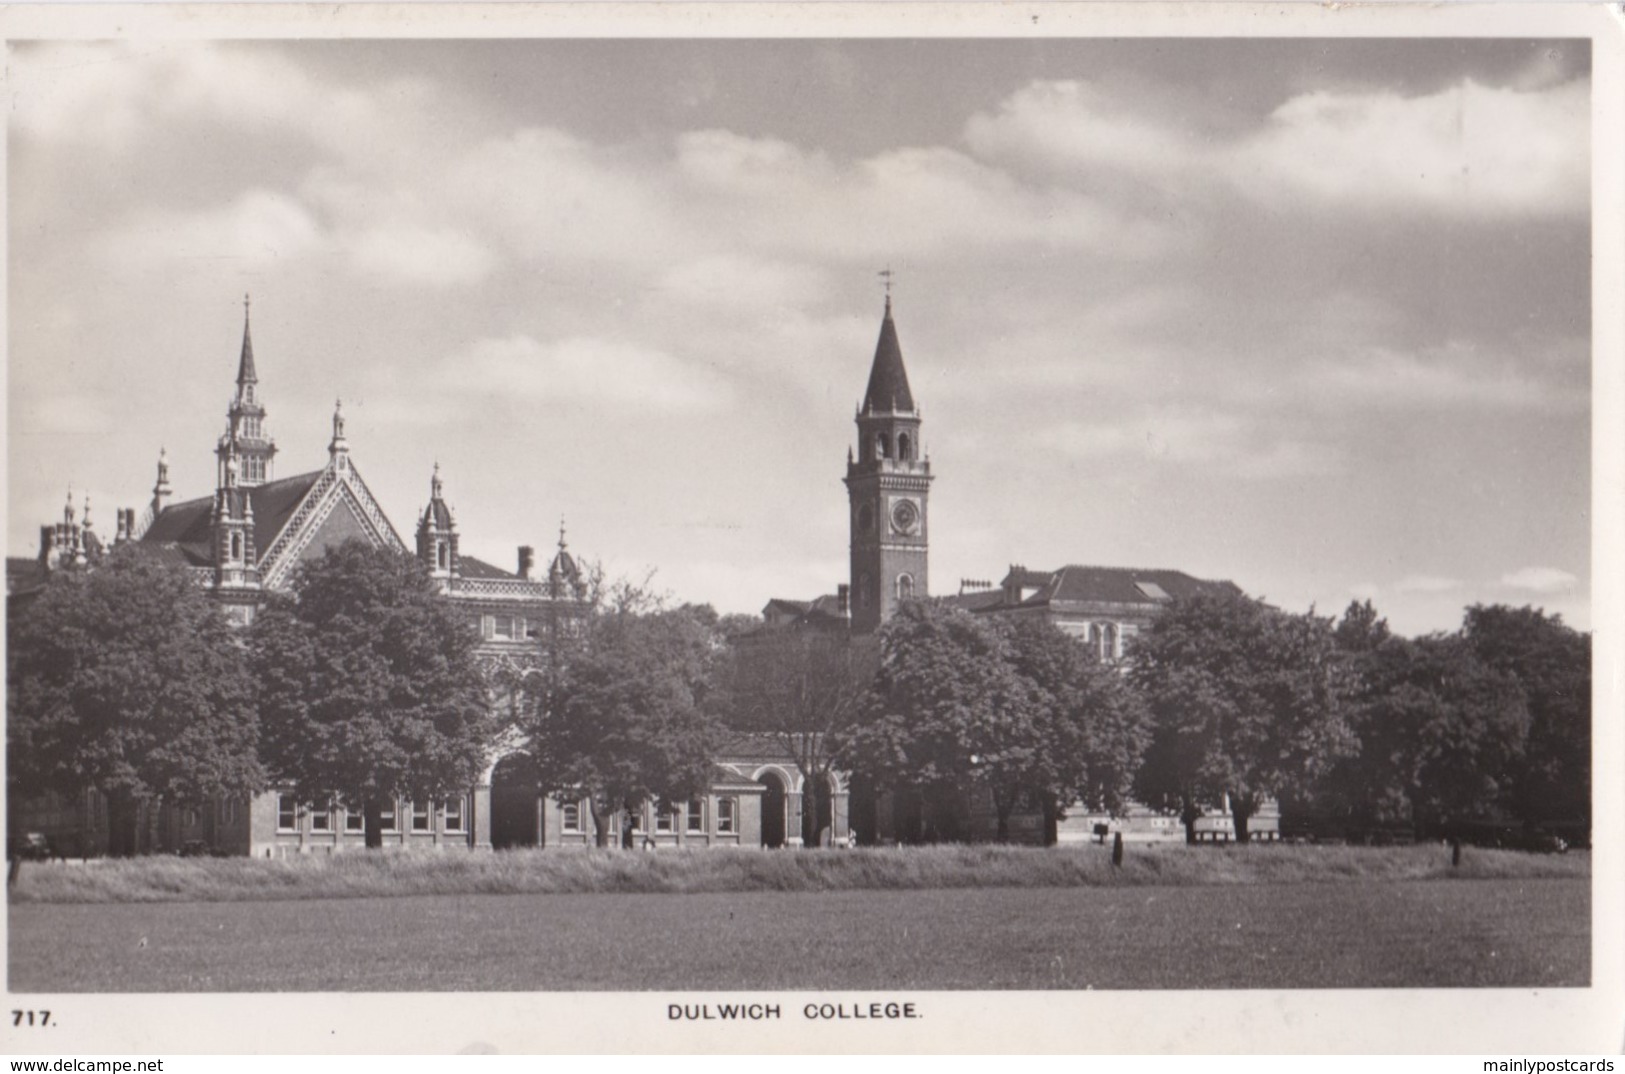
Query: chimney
pixel 843 598
pixel 527 560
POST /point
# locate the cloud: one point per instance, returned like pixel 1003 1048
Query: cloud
pixel 1467 150
pixel 587 371
pixel 1229 442
pixel 1071 125
pixel 258 228
pixel 1426 583
pixel 737 283
pixel 437 257
pixel 1541 580
pixel 1457 375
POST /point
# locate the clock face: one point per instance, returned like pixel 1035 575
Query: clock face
pixel 866 518
pixel 905 516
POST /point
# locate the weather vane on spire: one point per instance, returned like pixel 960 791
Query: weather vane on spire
pixel 886 275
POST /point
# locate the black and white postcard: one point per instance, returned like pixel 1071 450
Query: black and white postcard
pixel 907 527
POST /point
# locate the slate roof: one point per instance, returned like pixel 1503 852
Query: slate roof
pixel 978 600
pixel 824 611
pixel 185 525
pixel 469 567
pixel 888 380
pixel 1075 584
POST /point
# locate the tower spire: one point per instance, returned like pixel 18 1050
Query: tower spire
pixel 245 364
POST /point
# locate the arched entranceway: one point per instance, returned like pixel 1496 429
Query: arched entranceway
pixel 772 809
pixel 515 802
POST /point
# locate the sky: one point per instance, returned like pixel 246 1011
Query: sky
pixel 1309 315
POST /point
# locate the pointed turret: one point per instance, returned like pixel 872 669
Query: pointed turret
pixel 563 575
pixel 437 530
pixel 338 449
pixel 888 381
pixel 245 364
pixel 245 436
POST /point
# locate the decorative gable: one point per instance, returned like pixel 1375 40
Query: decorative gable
pixel 338 506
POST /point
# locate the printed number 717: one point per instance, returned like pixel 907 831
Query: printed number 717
pixel 30 1018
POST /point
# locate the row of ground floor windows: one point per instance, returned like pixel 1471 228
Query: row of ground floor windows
pixel 449 816
pixel 690 815
pixel 420 817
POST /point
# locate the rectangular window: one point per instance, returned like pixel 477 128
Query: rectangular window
pixel 663 820
pixel 635 818
pixel 354 819
pixel 386 817
pixel 696 815
pixel 572 816
pixel 502 627
pixel 287 813
pixel 725 814
pixel 321 817
pixel 454 814
pixel 228 811
pixel 420 817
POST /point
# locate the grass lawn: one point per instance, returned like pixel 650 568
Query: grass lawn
pixel 543 872
pixel 1531 932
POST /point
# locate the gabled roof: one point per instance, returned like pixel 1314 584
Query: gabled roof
pixel 888 380
pixel 469 567
pixel 977 600
pixel 1074 584
pixel 186 524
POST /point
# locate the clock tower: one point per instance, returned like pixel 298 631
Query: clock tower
pixel 888 482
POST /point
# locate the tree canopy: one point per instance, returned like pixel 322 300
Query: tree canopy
pixel 1551 662
pixel 625 714
pixel 128 679
pixel 369 686
pixel 806 690
pixel 1245 703
pixel 1016 711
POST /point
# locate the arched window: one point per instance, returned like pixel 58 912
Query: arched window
pixel 904 447
pixel 883 445
pixel 442 555
pixel 863 590
pixel 905 587
pixel 236 547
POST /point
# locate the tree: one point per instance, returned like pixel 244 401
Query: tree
pixel 1552 663
pixel 1441 734
pixel 128 679
pixel 369 686
pixel 1244 701
pixel 1091 729
pixel 805 689
pixel 624 714
pixel 1016 710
